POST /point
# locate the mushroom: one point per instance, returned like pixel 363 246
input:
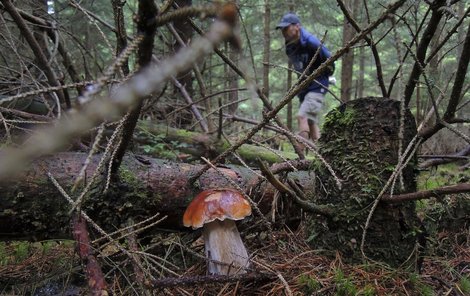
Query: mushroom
pixel 216 211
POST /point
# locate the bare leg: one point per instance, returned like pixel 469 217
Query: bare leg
pixel 304 128
pixel 314 130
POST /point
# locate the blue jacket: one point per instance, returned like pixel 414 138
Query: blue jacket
pixel 300 54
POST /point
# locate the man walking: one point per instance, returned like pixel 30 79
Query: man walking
pixel 301 47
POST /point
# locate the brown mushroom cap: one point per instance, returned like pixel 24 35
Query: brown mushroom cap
pixel 214 204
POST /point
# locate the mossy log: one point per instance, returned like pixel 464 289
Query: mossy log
pixel 198 144
pixel 360 139
pixel 32 208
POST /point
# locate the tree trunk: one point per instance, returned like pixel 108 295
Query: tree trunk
pixel 32 208
pixel 232 79
pixel 290 116
pixel 185 31
pixel 347 60
pixel 360 141
pixel 362 71
pixel 266 46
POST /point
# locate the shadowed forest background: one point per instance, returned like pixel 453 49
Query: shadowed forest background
pixel 115 114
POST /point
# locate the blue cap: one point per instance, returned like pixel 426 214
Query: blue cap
pixel 288 19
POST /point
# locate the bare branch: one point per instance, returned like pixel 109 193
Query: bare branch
pixel 456 94
pixel 438 192
pixel 147 10
pixel 36 49
pixel 428 33
pixel 141 85
pixel 369 41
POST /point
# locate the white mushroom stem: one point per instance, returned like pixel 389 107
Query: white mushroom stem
pixel 223 244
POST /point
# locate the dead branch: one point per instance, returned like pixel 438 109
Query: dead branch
pixel 455 96
pixel 120 32
pixel 370 42
pixel 36 49
pixel 443 159
pixel 149 80
pixel 438 192
pixel 95 276
pixel 146 11
pixel 51 32
pixel 423 45
pixel 294 193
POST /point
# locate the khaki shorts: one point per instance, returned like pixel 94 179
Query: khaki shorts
pixel 311 106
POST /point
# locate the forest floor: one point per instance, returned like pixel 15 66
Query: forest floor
pixel 282 264
pixel 289 267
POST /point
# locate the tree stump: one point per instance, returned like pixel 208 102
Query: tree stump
pixel 360 140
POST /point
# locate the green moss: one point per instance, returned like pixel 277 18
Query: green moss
pixel 309 284
pixel 344 285
pixel 341 117
pixel 185 134
pixel 359 141
pixel 420 287
pixel 128 176
pixel 443 175
pixel 464 285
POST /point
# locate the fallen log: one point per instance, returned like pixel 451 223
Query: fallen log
pixel 32 208
pixel 443 159
pixel 208 145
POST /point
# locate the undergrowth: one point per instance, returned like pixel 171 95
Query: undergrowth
pixel 294 268
pixel 29 267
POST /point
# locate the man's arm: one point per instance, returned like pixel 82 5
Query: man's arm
pixel 314 43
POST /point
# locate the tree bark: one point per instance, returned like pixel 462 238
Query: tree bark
pixel 360 141
pixel 347 61
pixel 266 46
pixel 147 10
pixel 32 208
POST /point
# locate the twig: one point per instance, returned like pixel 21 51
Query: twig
pixel 441 159
pixel 92 20
pixel 89 220
pixel 427 35
pixel 308 206
pixel 139 229
pixel 409 152
pixel 184 92
pixel 311 146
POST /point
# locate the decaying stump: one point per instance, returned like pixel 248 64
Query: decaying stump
pixel 360 140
